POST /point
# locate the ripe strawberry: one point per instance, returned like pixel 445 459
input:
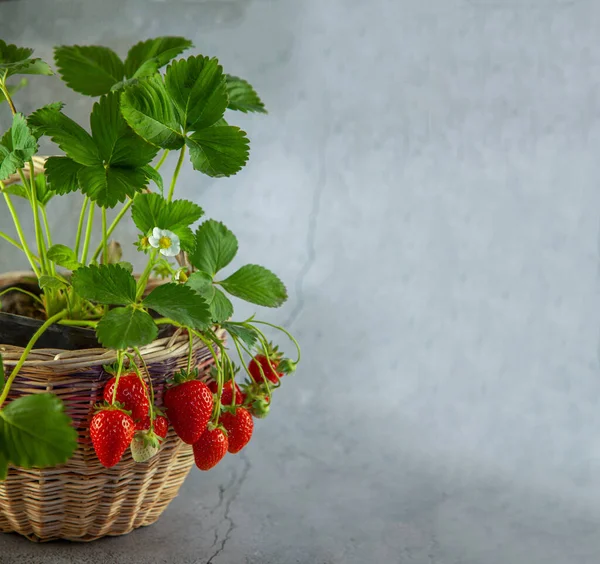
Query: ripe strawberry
pixel 210 448
pixel 189 405
pixel 111 430
pixel 239 426
pixel 269 367
pixel 161 425
pixel 131 393
pixel 227 393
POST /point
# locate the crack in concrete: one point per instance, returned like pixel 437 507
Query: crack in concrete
pixel 433 548
pixel 226 516
pixel 313 220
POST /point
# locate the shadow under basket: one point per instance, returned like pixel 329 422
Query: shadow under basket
pixel 82 500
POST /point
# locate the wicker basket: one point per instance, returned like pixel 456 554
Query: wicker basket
pixel 82 500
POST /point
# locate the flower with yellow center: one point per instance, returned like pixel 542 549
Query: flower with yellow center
pixel 166 241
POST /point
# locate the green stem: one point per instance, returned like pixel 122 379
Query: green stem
pixel 289 335
pixel 88 233
pixel 7 95
pixel 11 240
pixel 176 173
pixel 84 206
pixel 141 285
pixel 118 376
pixel 78 323
pixel 104 238
pixel 112 227
pixel 39 237
pixel 26 352
pixel 162 160
pixel 48 236
pixel 143 361
pixel 15 218
pixel 16 289
pixel 191 350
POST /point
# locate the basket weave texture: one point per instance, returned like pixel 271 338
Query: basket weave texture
pixel 82 500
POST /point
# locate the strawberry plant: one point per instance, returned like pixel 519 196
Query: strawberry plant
pixel 145 106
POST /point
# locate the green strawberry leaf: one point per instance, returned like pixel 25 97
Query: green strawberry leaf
pixel 43 190
pixel 242 97
pixel 9 162
pixel 246 335
pixel 89 70
pixel 62 173
pixel 149 111
pixel 31 66
pixel 215 248
pixel 62 255
pixel 146 57
pixel 75 141
pixel 51 282
pixel 17 190
pixel 125 327
pixel 219 304
pixel 221 307
pixel 218 150
pixel 35 432
pixel 117 143
pixel 153 174
pixel 108 284
pixel 107 186
pixel 152 210
pixel 197 87
pixel 257 285
pixel 11 55
pixel 17 146
pixel 180 304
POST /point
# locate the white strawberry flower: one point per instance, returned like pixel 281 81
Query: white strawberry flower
pixel 166 241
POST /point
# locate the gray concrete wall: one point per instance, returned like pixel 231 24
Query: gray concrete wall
pixel 427 183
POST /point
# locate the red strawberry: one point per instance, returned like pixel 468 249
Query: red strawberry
pixel 111 430
pixel 239 428
pixel 210 448
pixel 269 367
pixel 131 393
pixel 161 425
pixel 189 405
pixel 227 393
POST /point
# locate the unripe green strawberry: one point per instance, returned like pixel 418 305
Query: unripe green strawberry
pixel 145 445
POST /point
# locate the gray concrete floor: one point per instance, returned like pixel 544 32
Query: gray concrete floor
pixel 427 183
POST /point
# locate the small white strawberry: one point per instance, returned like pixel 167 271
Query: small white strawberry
pixel 144 446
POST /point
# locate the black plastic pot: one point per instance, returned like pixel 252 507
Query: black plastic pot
pixel 17 330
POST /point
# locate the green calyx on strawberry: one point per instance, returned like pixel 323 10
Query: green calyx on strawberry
pixel 257 399
pixel 145 445
pixel 260 408
pixel 287 366
pixel 211 447
pixel 131 392
pixel 111 430
pixel 266 365
pixel 189 405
